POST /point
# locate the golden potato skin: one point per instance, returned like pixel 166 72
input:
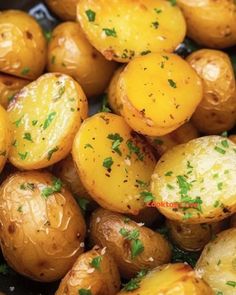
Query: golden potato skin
pixel 5 137
pixel 40 235
pixel 104 170
pixel 22 45
pixel 113 99
pixel 233 221
pixel 210 23
pixel 66 9
pixel 217 110
pixel 183 134
pixel 69 52
pixel 171 279
pixel 193 237
pixel 105 231
pixel 45 117
pixel 216 264
pixel 9 86
pixel 122 30
pixel 200 172
pixel 154 90
pixel 102 281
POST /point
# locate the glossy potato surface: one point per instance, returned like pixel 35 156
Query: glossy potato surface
pixel 45 117
pixel 171 279
pixel 65 9
pixel 41 233
pixel 5 137
pixel 22 45
pixel 217 110
pixel 201 172
pixel 114 164
pixel 9 86
pixel 217 263
pixel 124 29
pixel 210 23
pixel 155 92
pixel 104 279
pixel 106 231
pixel 70 53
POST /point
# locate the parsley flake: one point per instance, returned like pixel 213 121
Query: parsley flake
pixel 91 15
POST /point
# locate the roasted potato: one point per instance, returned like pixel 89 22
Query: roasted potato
pixel 193 237
pixel 5 137
pixel 22 45
pixel 95 272
pixel 45 117
pixel 217 264
pixel 69 52
pixel 114 164
pixel 233 221
pixel 170 279
pixel 67 172
pixel 194 182
pixel 210 23
pixel 217 110
pixel 41 226
pixel 133 247
pixel 9 86
pixel 154 90
pixel 183 134
pixel 113 99
pixel 126 29
pixel 65 9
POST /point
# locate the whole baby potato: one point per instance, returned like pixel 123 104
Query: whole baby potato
pixel 5 137
pixel 65 9
pixel 193 237
pixel 210 23
pixel 69 52
pixel 194 182
pixel 41 227
pixel 22 45
pixel 122 30
pixel 183 134
pixel 94 272
pixel 113 162
pixel 170 279
pixel 133 247
pixel 9 86
pixel 154 90
pixel 45 117
pixel 217 110
pixel 217 263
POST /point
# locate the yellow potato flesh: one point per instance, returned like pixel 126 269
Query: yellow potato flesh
pixel 116 188
pixel 45 117
pixel 123 29
pixel 159 93
pixel 202 172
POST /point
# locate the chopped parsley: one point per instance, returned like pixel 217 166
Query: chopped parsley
pixel 49 120
pixel 96 262
pixel 134 149
pixel 116 141
pixel 216 204
pixel 27 136
pixel 25 71
pixel 83 203
pixel 172 83
pixel 157 10
pixel 224 134
pixel 220 186
pixel 155 24
pixel 141 183
pixel 25 186
pixel 23 156
pixel 91 15
pixel 4 270
pixel 17 122
pixel 20 209
pixel 53 59
pixel 158 141
pixel 133 284
pixel 34 122
pixel 107 163
pixel 88 145
pixel 110 32
pixel 231 283
pixel 61 91
pixel 105 107
pixel 147 197
pixel 225 143
pixel 169 173
pixel 219 150
pixel 145 52
pixel 51 152
pixel 84 292
pixel 173 2
pixel 55 188
pixel 187 215
pixel 136 244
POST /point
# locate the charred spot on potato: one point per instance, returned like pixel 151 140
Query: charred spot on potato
pixel 12 228
pixel 29 35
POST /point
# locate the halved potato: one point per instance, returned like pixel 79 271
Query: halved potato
pixel 69 52
pixel 94 273
pixel 170 279
pixel 114 164
pixel 195 182
pixel 22 45
pixel 65 9
pixel 122 30
pixel 133 246
pixel 155 93
pixel 9 86
pixel 45 116
pixel 41 227
pixel 217 264
pixel 5 137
